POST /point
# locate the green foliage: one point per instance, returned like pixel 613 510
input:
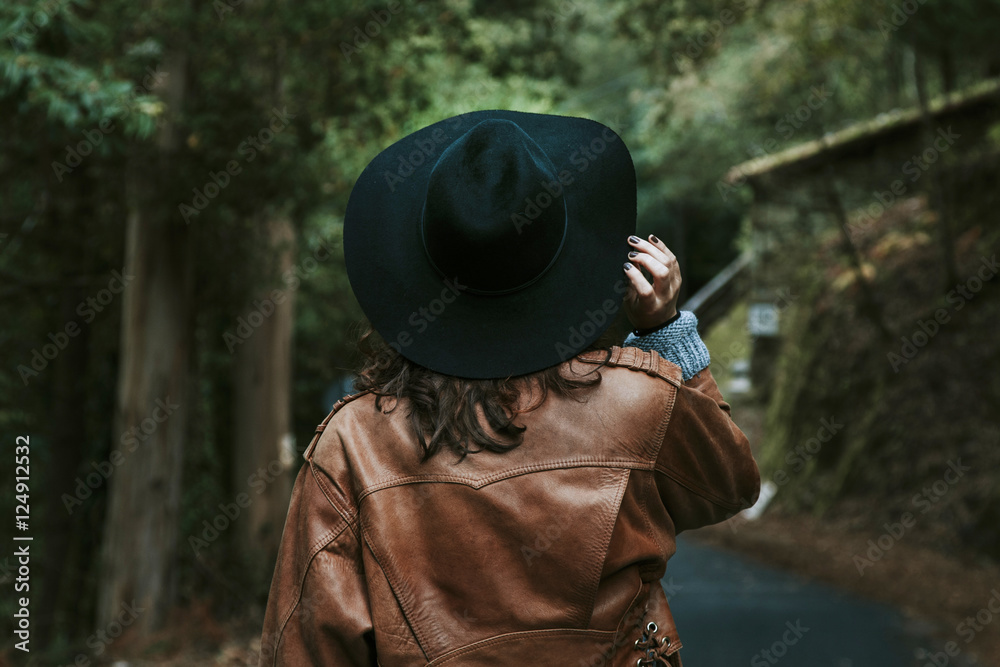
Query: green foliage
pixel 693 87
pixel 36 77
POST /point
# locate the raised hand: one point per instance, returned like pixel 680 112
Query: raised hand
pixel 650 305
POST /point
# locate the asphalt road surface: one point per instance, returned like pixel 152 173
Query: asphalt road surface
pixel 732 612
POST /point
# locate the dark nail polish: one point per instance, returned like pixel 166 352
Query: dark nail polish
pixel 653 239
pixel 633 254
pixel 633 239
pixel 628 266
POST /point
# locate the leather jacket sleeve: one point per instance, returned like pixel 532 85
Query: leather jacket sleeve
pixel 318 610
pixel 705 471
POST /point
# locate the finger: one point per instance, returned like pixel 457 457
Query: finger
pixel 639 283
pixel 670 260
pixel 661 246
pixel 647 247
pixel 657 269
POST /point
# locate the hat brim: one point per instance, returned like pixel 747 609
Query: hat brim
pixel 429 318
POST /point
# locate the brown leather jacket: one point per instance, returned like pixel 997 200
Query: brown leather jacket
pixel 549 554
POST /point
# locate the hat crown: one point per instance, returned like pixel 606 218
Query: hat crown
pixel 494 215
pixel 449 201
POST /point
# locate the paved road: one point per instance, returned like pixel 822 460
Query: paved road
pixel 732 612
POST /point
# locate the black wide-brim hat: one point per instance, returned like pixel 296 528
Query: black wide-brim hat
pixel 491 244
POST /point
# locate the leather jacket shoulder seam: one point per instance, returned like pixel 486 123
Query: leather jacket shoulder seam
pixel 307 454
pixel 345 513
pixel 321 543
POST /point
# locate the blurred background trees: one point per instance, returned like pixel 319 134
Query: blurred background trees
pixel 173 177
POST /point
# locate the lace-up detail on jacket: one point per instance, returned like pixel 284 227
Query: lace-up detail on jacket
pixel 652 647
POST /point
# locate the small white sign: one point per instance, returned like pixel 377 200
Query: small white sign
pixel 763 319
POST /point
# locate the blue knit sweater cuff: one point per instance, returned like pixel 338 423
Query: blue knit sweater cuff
pixel 678 342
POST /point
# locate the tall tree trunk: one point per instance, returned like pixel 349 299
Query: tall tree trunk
pixel 68 431
pixel 61 577
pixel 263 450
pixel 140 535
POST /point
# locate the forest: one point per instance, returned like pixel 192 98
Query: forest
pixel 178 318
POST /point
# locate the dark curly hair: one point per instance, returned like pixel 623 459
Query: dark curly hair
pixel 445 410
